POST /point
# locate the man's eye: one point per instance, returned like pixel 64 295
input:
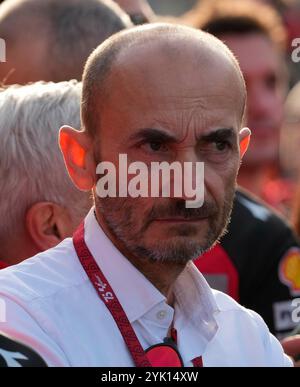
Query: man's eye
pixel 156 146
pixel 222 145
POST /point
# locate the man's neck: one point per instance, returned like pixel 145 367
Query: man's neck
pixel 161 274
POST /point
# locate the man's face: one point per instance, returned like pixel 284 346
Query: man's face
pixel 174 109
pixel 263 71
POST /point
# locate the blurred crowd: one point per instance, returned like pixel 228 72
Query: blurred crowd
pixel 47 43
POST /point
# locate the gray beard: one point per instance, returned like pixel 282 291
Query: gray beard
pixel 178 251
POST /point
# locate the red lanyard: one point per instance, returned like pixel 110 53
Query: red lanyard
pixel 107 295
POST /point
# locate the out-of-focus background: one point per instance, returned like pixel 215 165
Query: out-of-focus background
pixel 172 7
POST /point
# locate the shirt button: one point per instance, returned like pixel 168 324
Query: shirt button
pixel 161 314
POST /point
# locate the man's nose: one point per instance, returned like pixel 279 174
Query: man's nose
pixel 191 186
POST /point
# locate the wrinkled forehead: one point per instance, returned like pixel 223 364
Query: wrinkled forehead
pixel 169 73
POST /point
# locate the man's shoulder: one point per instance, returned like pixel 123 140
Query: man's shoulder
pixel 256 345
pixel 44 274
pixel 227 305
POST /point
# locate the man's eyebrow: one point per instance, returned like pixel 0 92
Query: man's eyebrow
pixel 152 134
pixel 219 135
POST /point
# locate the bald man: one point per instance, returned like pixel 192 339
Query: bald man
pixel 50 40
pixel 124 291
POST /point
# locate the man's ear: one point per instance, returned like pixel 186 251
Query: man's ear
pixel 77 149
pixel 244 139
pixel 48 224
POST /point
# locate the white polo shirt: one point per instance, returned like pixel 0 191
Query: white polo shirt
pixel 52 306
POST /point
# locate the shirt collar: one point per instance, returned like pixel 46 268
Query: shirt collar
pixel 135 292
pixel 196 326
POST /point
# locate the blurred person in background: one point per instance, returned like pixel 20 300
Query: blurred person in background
pixel 291 141
pixel 290 151
pixel 47 40
pixel 290 13
pixel 291 144
pixel 255 34
pixel 39 206
pixel 250 262
pixel 291 346
pixel 290 134
pixel 50 40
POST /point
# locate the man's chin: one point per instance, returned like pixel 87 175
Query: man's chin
pixel 179 249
